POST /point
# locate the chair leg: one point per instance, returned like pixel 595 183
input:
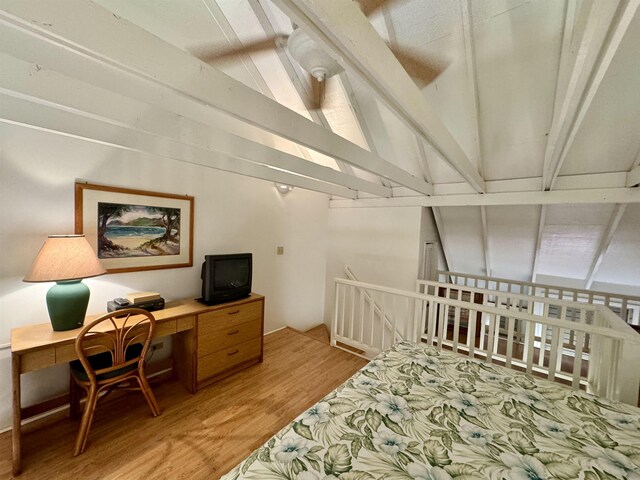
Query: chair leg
pixel 74 399
pixel 87 418
pixel 148 393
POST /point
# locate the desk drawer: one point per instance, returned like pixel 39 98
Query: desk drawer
pixel 214 339
pixel 229 317
pixel 218 362
pixel 37 360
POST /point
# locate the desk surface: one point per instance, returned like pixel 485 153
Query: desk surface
pixel 38 336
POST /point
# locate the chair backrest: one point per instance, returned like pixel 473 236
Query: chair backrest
pixel 115 332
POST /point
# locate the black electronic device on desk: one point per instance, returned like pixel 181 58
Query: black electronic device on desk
pixel 150 305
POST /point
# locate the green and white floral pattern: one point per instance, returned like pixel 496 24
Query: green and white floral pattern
pixel 416 413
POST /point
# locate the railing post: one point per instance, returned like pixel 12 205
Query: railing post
pixel 334 320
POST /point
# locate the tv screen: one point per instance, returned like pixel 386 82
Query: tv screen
pixel 226 277
pixel 231 273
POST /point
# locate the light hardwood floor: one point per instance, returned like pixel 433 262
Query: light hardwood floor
pixel 197 436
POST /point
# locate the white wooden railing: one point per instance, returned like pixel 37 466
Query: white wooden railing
pixel 627 307
pixel 538 306
pixel 602 358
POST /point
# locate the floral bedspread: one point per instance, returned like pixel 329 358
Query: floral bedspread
pixel 416 413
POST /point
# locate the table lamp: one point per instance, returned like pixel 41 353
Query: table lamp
pixel 66 260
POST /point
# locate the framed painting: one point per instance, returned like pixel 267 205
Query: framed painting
pixel 133 230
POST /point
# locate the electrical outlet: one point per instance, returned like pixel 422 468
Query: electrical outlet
pixel 280 251
pixel 157 346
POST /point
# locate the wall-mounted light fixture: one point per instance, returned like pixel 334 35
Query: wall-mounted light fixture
pixel 283 188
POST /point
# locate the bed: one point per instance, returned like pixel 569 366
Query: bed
pixel 416 413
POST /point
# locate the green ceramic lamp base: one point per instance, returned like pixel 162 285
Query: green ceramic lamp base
pixel 67 304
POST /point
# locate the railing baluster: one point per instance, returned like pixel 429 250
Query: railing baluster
pixel 543 336
pixel 372 319
pixel 361 336
pixel 613 390
pixel 394 319
pixel 560 349
pixel 344 306
pixel 424 322
pixel 353 313
pixel 510 329
pixel 496 332
pixel 442 328
pixel 334 320
pixel 471 332
pixel 553 352
pixel 577 360
pixel 623 310
pixel 383 321
pixel 456 327
pixel 360 295
pixel 433 318
pixel 531 329
pixel 483 322
pixel 490 337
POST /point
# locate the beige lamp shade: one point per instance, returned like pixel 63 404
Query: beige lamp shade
pixel 64 257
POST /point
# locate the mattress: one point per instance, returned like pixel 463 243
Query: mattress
pixel 416 413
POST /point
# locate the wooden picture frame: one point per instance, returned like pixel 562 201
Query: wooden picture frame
pixel 134 230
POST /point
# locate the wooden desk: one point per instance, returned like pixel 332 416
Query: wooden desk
pixel 198 360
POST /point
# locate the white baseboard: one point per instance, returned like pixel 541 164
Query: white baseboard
pixel 274 331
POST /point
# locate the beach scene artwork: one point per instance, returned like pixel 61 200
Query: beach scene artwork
pixel 126 230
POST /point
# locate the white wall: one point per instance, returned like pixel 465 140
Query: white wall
pixel 232 214
pixel 381 245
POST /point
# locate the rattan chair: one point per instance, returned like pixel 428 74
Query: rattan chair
pixel 111 351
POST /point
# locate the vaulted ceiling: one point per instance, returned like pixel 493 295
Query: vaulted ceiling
pixel 526 143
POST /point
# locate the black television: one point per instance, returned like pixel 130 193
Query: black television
pixel 226 277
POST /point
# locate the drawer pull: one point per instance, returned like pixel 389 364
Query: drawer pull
pixel 233 353
pixel 233 333
pixel 233 313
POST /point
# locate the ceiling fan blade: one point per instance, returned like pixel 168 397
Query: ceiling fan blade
pixel 369 7
pixel 317 93
pixel 211 54
pixel 422 71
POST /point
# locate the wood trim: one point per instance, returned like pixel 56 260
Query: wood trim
pixel 80 187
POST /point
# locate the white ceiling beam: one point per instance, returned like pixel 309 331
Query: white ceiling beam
pixel 341 27
pixel 160 74
pixel 472 85
pixel 605 242
pixel 565 67
pixel 472 75
pixel 553 197
pixel 536 254
pixel 633 177
pixel 360 118
pixel 606 26
pixel 32 115
pixel 46 87
pixel 565 182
